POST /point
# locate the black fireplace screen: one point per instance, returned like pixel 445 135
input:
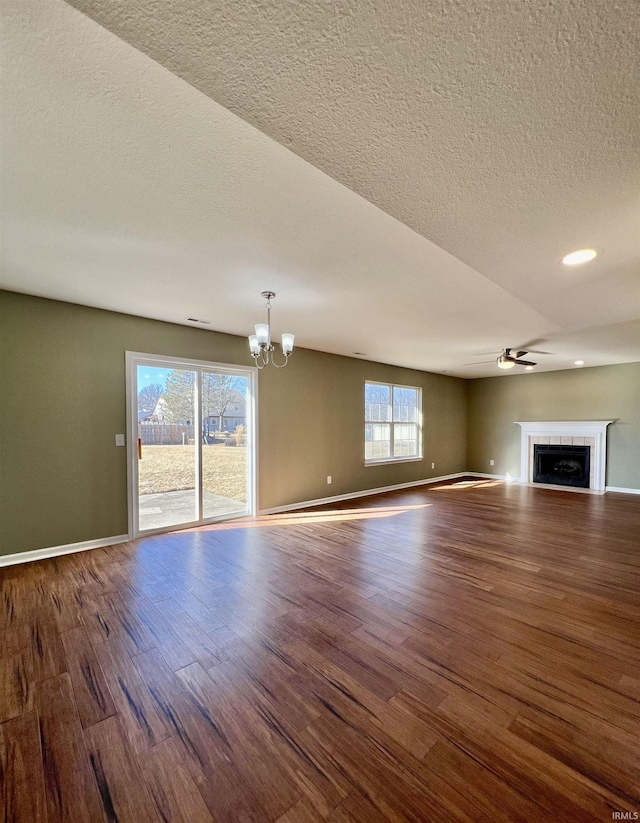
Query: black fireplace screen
pixel 561 465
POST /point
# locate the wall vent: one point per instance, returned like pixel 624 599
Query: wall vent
pixel 195 320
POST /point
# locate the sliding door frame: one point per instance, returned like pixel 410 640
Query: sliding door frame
pixel 135 359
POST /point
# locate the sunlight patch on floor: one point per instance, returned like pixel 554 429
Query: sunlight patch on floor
pixel 309 518
pixel 469 484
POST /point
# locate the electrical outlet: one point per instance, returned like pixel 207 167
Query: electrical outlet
pixel 433 465
pixel 119 439
pixel 328 480
pixel 492 462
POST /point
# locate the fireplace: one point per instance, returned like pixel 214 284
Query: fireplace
pixel 591 434
pixel 561 465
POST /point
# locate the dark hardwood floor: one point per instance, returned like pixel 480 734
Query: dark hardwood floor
pixel 466 652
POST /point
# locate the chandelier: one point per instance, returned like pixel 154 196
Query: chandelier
pixel 260 343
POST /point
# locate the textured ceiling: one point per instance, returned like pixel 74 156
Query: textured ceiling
pixel 125 188
pixel 506 132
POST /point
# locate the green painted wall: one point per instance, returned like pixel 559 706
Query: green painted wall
pixel 62 400
pixel 599 393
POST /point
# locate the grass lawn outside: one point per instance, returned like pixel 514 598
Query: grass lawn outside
pixel 171 468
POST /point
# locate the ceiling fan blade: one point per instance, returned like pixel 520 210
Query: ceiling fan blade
pixel 479 363
pixel 519 354
pixel 525 363
pixel 535 342
pixel 538 341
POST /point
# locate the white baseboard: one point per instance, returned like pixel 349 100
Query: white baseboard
pixel 56 551
pixel 621 490
pixel 322 501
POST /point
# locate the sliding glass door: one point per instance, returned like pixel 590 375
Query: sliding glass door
pixel 191 442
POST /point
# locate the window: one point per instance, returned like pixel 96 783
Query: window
pixel 392 423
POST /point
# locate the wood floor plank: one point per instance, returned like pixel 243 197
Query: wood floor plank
pixel 201 614
pixel 71 790
pixel 398 791
pixel 606 761
pixel 357 808
pixel 90 689
pixel 99 619
pixel 46 646
pixel 66 599
pixel 407 729
pixel 18 598
pixel 201 644
pixel 131 630
pixel 16 671
pixel 165 639
pixel 194 729
pixel 123 793
pixel 302 812
pixel 142 724
pixel 491 794
pixel 22 785
pixel 172 789
pixel 238 725
pixel 229 798
pixel 315 776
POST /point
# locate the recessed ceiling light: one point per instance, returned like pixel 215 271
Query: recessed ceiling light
pixel 579 362
pixel 577 258
pixel 528 368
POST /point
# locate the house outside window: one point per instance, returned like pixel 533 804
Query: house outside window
pixel 392 423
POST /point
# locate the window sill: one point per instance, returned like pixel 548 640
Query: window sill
pixel 392 460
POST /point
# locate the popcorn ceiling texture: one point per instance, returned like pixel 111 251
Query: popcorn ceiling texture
pixel 125 188
pixel 505 131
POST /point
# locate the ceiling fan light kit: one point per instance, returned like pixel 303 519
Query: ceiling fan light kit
pixel 505 363
pixel 507 360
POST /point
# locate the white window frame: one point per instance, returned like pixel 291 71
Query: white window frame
pixel 377 461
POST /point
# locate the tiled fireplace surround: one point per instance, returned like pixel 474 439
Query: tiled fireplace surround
pixel 592 433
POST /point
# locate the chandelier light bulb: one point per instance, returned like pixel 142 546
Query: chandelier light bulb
pixel 287 342
pixel 253 344
pixel 262 333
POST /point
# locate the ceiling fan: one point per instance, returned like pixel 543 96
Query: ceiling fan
pixel 508 359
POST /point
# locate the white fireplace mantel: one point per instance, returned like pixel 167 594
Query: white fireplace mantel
pixel 594 430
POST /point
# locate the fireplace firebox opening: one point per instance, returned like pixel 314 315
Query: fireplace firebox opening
pixel 561 465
